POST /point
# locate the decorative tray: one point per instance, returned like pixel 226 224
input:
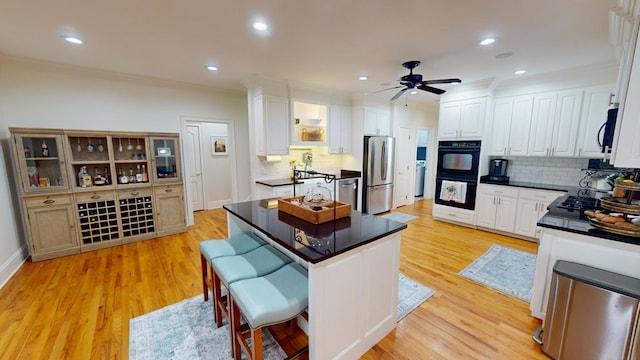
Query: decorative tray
pixel 615 229
pixel 633 186
pixel 620 205
pixel 317 214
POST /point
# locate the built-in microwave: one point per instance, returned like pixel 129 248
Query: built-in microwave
pixel 609 127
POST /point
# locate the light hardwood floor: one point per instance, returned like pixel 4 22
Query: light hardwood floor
pixel 78 307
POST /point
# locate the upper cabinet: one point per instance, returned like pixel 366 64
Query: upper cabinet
pixel 377 121
pixel 626 148
pixel 554 125
pixel 309 124
pixel 462 119
pixel 511 122
pixel 41 165
pixel 165 159
pixel 340 129
pixel 271 124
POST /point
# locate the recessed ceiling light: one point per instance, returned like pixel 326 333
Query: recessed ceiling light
pixel 520 72
pixel 212 68
pixel 413 92
pixel 362 77
pixel 260 26
pixel 487 41
pixel 73 40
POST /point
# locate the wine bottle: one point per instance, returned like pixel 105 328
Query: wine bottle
pixel 145 176
pixel 138 174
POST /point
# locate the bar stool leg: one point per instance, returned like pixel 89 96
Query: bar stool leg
pixel 205 286
pixel 217 297
pixel 256 343
pixel 236 351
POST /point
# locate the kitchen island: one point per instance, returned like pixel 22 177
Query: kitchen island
pixel 568 235
pixel 353 266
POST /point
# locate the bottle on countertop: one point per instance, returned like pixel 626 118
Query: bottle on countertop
pixel 107 176
pixel 132 176
pixel 45 149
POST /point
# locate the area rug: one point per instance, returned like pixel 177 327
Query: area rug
pixel 185 330
pixel 400 217
pixel 410 295
pixel 507 270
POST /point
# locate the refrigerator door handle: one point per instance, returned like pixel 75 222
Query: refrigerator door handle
pixel 383 170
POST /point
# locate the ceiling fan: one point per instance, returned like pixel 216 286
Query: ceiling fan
pixel 412 81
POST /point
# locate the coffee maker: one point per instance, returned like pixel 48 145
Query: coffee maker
pixel 498 171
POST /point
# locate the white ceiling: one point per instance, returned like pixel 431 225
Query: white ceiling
pixel 326 43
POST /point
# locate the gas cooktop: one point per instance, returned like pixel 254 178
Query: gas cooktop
pixel 579 203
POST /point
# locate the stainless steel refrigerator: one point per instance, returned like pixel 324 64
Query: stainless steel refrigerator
pixel 377 174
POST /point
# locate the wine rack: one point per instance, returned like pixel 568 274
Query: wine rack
pixel 98 219
pixel 136 212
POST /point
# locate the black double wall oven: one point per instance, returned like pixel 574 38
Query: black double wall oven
pixel 458 162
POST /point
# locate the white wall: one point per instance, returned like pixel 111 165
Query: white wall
pixel 36 94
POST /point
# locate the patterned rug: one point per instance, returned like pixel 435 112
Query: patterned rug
pixel 507 270
pixel 400 217
pixel 185 330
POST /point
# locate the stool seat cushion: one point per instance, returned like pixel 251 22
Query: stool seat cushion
pixel 261 261
pixel 235 245
pixel 273 298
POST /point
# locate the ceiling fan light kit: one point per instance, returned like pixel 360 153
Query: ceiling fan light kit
pixel 414 81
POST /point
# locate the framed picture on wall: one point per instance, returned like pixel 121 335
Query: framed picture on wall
pixel 219 145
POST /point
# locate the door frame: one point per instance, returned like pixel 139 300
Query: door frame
pixel 430 174
pixel 184 120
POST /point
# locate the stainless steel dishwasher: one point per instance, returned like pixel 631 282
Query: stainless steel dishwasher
pixel 591 314
pixel 348 192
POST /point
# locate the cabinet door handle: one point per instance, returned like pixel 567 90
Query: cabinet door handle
pixel 168 190
pixel 498 201
pixel 553 151
pixel 49 201
pixel 494 201
pixel 95 196
pixel 536 207
pixel 509 150
pixel 504 152
pixel 134 193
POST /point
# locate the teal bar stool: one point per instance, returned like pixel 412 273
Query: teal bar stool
pixel 229 269
pixel 263 301
pixel 235 245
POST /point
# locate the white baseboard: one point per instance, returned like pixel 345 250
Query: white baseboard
pixel 13 264
pixel 217 204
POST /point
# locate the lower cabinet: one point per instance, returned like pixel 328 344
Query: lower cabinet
pixel 496 207
pixel 532 205
pixel 454 215
pixel 170 214
pixel 511 209
pixel 51 226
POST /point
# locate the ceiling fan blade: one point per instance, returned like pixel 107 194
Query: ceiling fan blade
pixel 441 81
pixel 391 88
pixel 431 89
pixel 398 94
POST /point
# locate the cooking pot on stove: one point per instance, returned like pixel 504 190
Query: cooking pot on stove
pixel 601 183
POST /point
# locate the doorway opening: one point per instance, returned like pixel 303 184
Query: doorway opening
pixel 422 140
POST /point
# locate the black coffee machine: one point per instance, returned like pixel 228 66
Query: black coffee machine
pixel 498 171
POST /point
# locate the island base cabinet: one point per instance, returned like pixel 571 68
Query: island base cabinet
pixel 170 213
pixel 51 226
pixel 360 292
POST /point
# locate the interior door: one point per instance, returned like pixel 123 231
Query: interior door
pixel 405 160
pixel 194 166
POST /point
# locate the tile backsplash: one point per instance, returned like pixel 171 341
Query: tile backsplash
pixel 322 161
pixel 556 171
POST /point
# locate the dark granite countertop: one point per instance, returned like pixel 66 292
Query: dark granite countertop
pixel 532 185
pixel 344 174
pixel 313 243
pixel 575 221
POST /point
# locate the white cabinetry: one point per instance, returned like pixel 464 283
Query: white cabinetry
pixel 340 129
pixel 496 207
pixel 511 122
pixel 377 121
pixel 594 114
pixel 554 126
pixel 454 215
pixel 271 125
pixel 462 119
pixel 626 149
pixel 532 205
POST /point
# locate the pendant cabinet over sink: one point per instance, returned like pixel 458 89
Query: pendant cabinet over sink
pixel 87 190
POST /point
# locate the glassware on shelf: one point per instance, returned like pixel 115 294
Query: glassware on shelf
pixel 79 147
pixel 120 145
pixel 129 146
pixel 100 146
pixel 138 146
pixel 90 146
pixel 84 179
pixel 45 149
